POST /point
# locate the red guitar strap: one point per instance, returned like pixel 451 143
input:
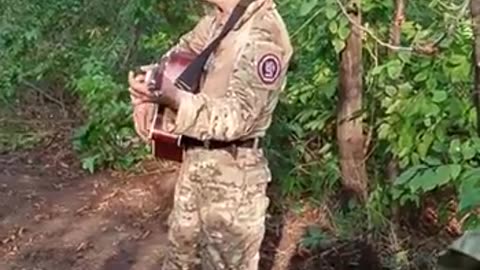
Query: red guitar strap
pixel 189 80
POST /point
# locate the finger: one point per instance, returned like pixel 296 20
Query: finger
pixel 140 78
pixel 133 82
pixel 138 94
pixel 135 100
pixel 147 67
pixel 141 101
pixel 133 79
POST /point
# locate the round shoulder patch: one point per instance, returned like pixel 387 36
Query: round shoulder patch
pixel 269 68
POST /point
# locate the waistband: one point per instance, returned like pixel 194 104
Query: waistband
pixel 189 142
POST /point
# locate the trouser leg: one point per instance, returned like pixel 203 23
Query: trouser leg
pixel 184 228
pixel 233 217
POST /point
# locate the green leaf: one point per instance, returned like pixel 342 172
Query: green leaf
pixel 469 193
pixel 404 56
pixel 431 179
pixel 405 89
pixel 339 45
pixel 394 68
pixel 331 12
pixel 421 76
pixel 425 144
pixel 396 193
pixel 471 175
pixel 384 131
pixel 333 27
pixel 391 90
pixel 343 31
pixel 408 174
pixel 89 163
pixel 405 140
pixel 469 199
pixel 455 146
pixel 476 143
pixel 461 72
pixel 457 59
pixel 455 170
pixel 377 70
pixel 307 7
pixel 429 109
pixel 468 151
pixel 432 83
pixel 439 96
pixel 432 161
pixel 418 181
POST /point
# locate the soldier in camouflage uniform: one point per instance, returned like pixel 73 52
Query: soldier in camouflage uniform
pixel 220 198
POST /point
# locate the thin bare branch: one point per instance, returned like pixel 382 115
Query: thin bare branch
pixel 370 33
pixel 428 48
pixel 398 20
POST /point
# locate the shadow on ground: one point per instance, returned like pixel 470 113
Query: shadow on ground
pixel 99 222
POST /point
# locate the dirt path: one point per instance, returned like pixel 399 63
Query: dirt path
pixel 99 222
pixel 53 216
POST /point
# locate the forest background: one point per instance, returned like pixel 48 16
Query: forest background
pixel 379 121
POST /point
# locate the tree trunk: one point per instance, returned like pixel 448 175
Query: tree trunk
pixel 392 167
pixel 351 140
pixel 475 11
pixel 398 20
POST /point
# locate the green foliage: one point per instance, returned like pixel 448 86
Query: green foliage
pixel 418 107
pixel 107 137
pixel 88 48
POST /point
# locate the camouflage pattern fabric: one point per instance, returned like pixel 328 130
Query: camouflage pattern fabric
pixel 219 210
pixel 217 221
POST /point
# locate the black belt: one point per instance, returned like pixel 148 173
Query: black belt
pixel 189 142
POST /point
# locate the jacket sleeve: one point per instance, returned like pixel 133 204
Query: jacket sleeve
pixel 258 75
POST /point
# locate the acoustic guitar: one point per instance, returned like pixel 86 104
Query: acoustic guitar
pixel 164 144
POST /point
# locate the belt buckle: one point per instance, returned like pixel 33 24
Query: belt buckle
pixel 207 144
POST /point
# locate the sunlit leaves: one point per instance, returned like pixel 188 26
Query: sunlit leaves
pixel 339 45
pixel 394 68
pixel 421 178
pixel 307 6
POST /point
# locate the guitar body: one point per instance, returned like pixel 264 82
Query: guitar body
pixel 164 144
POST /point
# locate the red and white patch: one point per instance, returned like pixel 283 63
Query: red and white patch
pixel 269 68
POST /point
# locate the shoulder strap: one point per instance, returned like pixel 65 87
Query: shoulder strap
pixel 190 77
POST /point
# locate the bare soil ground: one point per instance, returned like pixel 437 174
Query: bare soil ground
pixel 55 216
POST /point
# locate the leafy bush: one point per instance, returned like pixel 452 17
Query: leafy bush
pixel 89 48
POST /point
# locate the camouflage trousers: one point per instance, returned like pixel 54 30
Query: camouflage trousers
pixel 217 221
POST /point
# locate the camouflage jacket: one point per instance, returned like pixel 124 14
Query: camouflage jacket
pixel 242 79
